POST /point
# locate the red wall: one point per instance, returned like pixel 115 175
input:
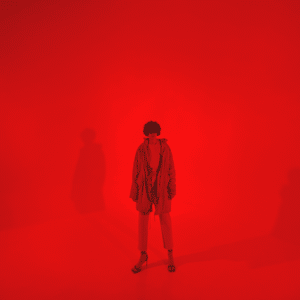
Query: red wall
pixel 220 77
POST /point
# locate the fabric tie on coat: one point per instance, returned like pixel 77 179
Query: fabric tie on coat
pixel 149 226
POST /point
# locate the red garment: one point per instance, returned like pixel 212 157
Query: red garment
pixel 166 230
pixel 155 156
pixel 145 190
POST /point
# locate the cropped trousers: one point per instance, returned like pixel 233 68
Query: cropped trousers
pixel 166 230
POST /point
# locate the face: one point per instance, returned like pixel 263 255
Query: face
pixel 152 135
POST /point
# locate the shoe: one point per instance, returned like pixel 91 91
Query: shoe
pixel 171 267
pixel 136 269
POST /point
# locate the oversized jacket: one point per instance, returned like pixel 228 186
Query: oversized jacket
pixel 142 178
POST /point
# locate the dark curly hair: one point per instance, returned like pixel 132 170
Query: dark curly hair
pixel 151 127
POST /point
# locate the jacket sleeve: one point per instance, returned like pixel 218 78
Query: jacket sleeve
pixel 134 192
pixel 172 177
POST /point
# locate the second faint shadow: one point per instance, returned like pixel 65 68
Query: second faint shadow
pixel 88 180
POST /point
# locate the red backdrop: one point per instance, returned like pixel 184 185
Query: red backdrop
pixel 220 77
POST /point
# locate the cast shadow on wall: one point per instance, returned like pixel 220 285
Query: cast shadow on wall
pixel 89 176
pixel 287 225
pixel 281 245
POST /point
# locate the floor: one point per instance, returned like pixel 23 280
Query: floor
pixel 91 256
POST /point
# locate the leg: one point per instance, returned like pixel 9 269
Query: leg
pixel 143 231
pixel 143 239
pixel 166 230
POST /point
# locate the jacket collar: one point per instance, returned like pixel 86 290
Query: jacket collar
pixel 146 140
pixel 162 144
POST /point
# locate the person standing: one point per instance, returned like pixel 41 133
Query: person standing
pixel 153 184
